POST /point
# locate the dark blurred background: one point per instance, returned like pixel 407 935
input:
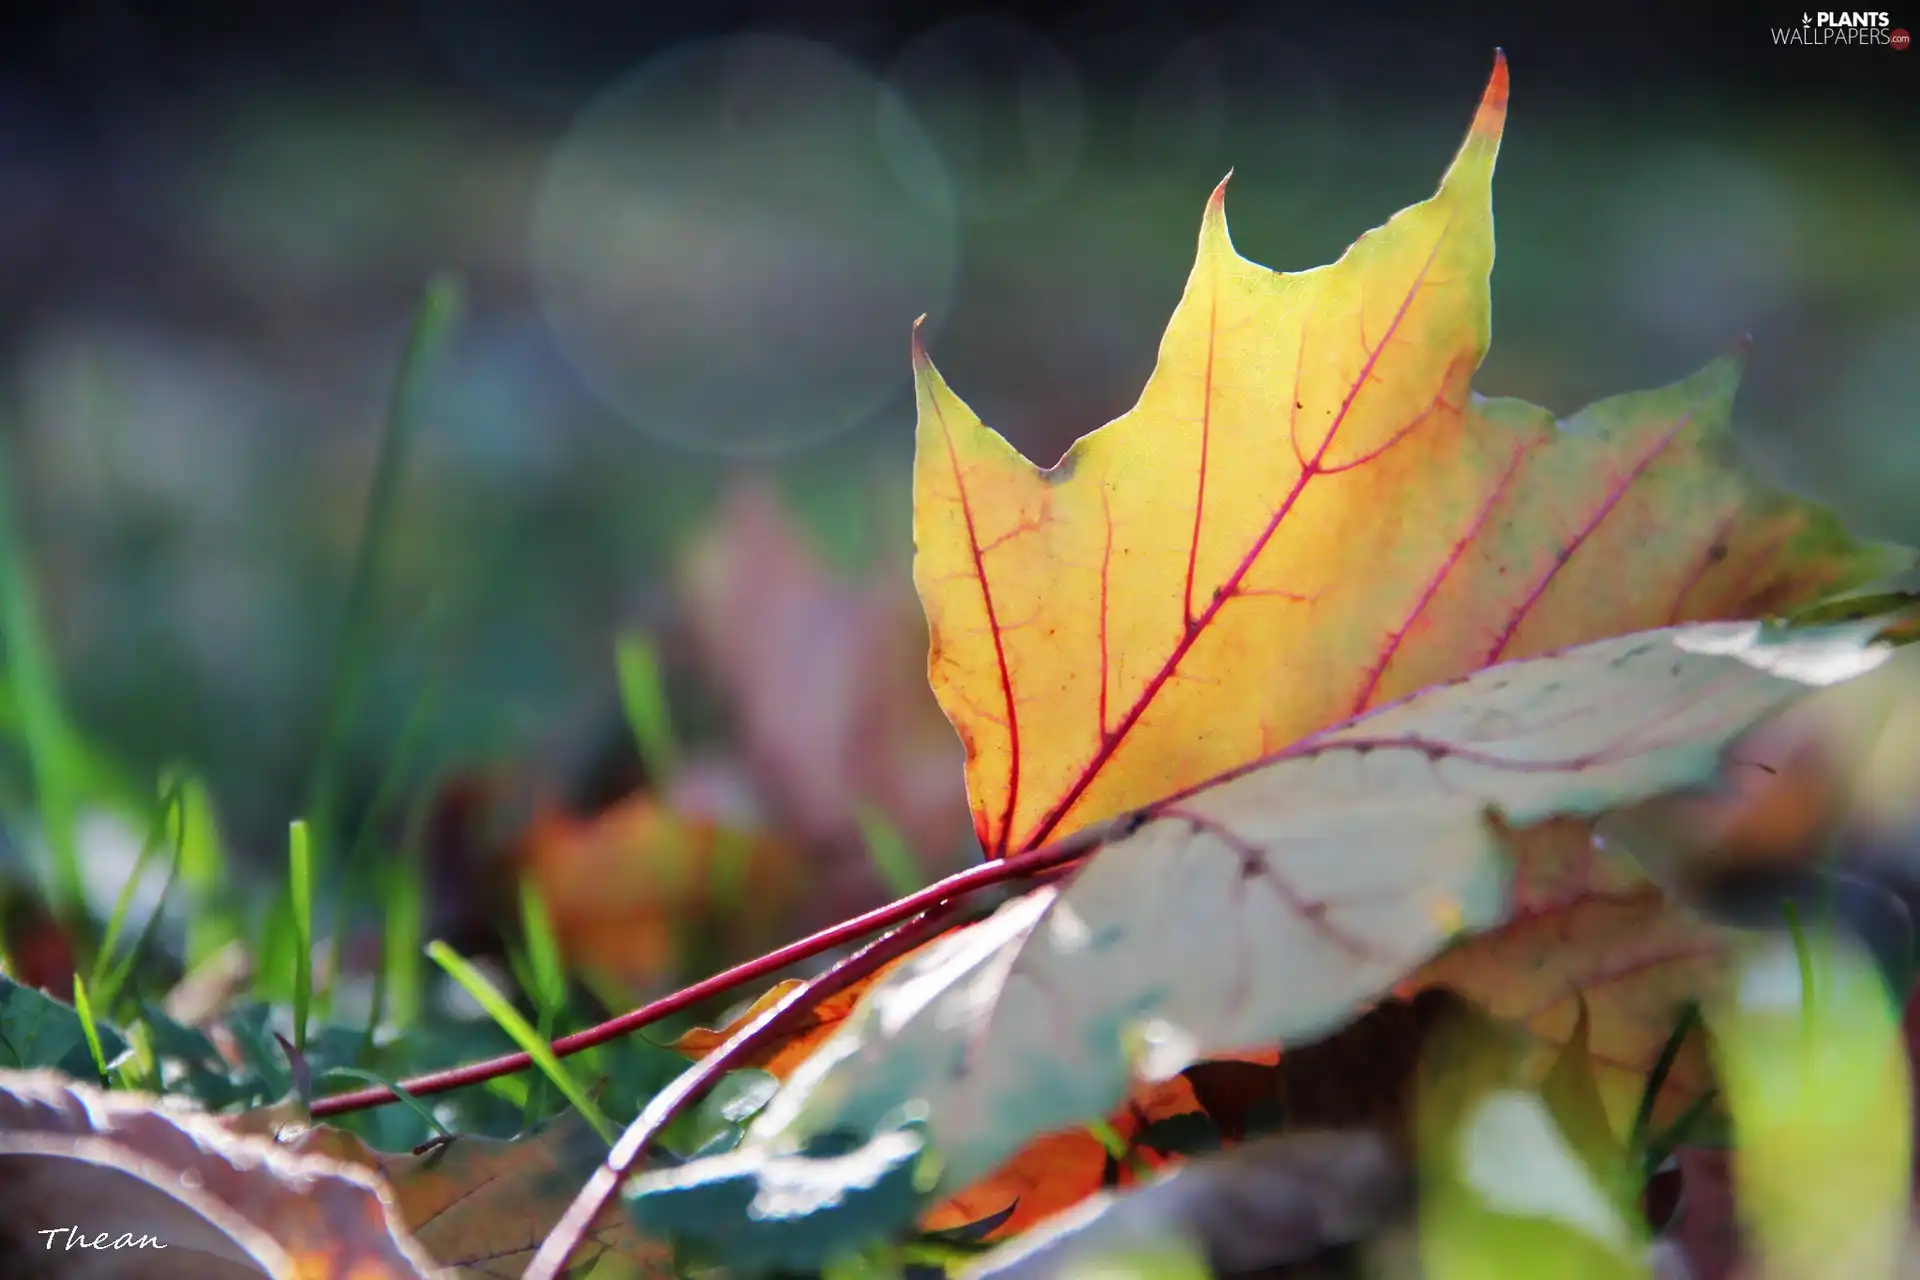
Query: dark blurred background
pixel 693 238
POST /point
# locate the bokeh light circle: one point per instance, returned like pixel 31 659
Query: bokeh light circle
pixel 724 251
pixel 1004 107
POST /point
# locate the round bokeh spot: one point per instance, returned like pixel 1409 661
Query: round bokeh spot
pixel 724 251
pixel 1003 106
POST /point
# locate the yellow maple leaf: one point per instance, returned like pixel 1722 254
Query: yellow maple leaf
pixel 1308 514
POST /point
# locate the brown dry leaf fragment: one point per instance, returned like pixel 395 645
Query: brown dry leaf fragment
pixel 85 1164
pixel 482 1206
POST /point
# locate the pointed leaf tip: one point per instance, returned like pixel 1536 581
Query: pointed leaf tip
pixel 1491 118
pixel 1213 222
pixel 919 344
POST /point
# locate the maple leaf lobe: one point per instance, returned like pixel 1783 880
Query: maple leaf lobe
pixel 1045 584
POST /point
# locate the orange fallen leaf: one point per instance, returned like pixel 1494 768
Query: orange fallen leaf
pixel 780 1055
pixel 628 889
pixel 1059 1170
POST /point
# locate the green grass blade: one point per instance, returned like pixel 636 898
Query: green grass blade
pixel 644 696
pixel 537 1096
pixel 139 1071
pixel 203 868
pixel 501 1010
pixel 116 981
pixel 733 851
pixel 523 978
pixel 396 996
pixel 353 875
pixel 300 885
pixel 434 324
pixel 368 1077
pixel 273 950
pixel 1803 957
pixel 84 1007
pixel 166 816
pixel 1685 1025
pixel 888 849
pixel 52 756
pixel 1118 1148
pixel 399 769
pixel 544 963
pixel 512 1090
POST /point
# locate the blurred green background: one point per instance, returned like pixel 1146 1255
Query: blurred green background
pixel 693 248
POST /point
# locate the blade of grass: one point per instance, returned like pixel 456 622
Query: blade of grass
pixel 432 632
pixel 273 950
pixel 522 970
pixel 433 327
pixel 1683 1026
pixel 399 767
pixel 368 1077
pixel 1123 1154
pixel 501 1010
pixel 888 849
pixel 544 963
pixel 511 1090
pixel 139 1071
pixel 84 1007
pixel 167 815
pixel 116 981
pixel 203 866
pixel 1665 1144
pixel 732 860
pixel 44 730
pixel 396 984
pixel 544 977
pixel 1803 957
pixel 644 697
pixel 300 885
